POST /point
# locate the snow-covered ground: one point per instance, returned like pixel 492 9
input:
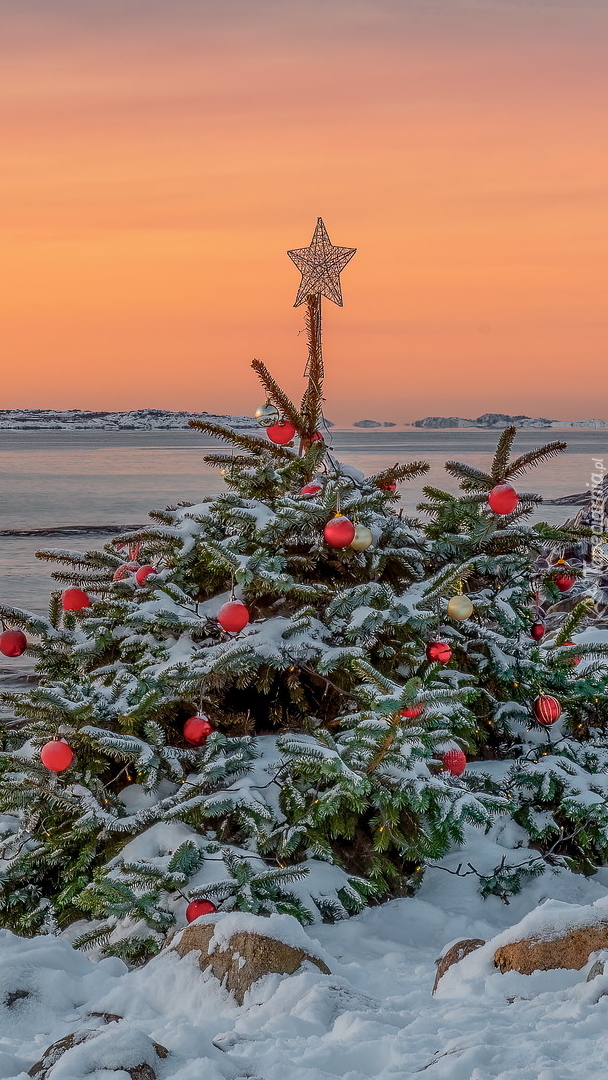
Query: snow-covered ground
pixel 374 1016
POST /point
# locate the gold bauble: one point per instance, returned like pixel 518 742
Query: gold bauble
pixel 362 538
pixel 460 607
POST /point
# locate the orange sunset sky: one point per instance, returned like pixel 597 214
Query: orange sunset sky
pixel 160 156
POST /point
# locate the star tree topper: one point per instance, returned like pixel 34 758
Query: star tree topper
pixel 320 265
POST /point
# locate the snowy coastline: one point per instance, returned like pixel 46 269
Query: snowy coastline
pixel 167 419
pixel 133 420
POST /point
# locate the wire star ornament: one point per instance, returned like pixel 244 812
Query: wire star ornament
pixel 320 266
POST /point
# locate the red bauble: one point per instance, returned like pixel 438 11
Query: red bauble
pixel 74 599
pixel 455 762
pixel 13 643
pixel 339 532
pixel 311 489
pixel 197 730
pixel 126 568
pixel 503 499
pixel 546 709
pixel 233 616
pixel 316 437
pixel 56 755
pixel 199 907
pixel 388 485
pixel 438 652
pixel 144 573
pixel 281 433
pixel 412 712
pixel 537 630
pixel 575 659
pixel 564 582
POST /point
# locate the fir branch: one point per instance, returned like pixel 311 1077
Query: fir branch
pixel 31 621
pixel 407 471
pixel 278 397
pixel 533 457
pixel 574 620
pixel 500 462
pixel 250 443
pixel 241 461
pixel 474 478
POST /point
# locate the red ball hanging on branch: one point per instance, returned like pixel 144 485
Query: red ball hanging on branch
pixel 546 709
pixel 56 755
pixel 388 485
pixel 339 531
pixel 197 730
pixel 233 616
pixel 144 573
pixel 503 499
pixel 412 711
pixel 281 433
pixel 13 643
pixel 197 908
pixel 75 599
pixel 454 761
pixel 317 437
pixel 438 652
pixel 564 580
pixel 311 489
pixel 537 631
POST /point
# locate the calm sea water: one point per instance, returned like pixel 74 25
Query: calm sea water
pixel 55 479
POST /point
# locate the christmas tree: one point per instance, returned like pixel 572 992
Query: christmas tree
pixel 266 700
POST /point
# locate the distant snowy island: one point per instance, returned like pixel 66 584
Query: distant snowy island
pixel 373 423
pixel 500 420
pixel 134 420
pixel 163 419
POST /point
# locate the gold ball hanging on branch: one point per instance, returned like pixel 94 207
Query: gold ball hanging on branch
pixel 362 538
pixel 460 608
pixel 267 414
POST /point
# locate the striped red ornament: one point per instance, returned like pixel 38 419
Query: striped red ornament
pixel 546 709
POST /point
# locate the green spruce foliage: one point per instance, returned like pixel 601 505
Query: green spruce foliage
pixel 322 787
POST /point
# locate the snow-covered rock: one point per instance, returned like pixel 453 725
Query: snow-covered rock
pixel 239 949
pixel 557 935
pixel 120 1048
